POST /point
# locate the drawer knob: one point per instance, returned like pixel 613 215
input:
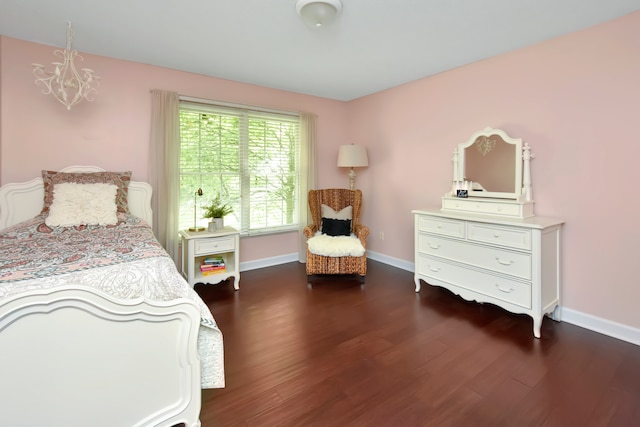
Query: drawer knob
pixel 432 246
pixel 503 262
pixel 434 269
pixel 496 235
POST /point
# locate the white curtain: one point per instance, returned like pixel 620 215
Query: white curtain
pixel 164 168
pixel 307 175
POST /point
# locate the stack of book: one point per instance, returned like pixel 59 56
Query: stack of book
pixel 212 265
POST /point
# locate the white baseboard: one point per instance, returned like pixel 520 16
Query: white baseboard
pixel 268 262
pixel 584 320
pixel 395 262
pixel 600 325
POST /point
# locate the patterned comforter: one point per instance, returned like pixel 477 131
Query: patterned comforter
pixel 124 260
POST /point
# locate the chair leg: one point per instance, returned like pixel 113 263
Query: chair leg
pixel 309 278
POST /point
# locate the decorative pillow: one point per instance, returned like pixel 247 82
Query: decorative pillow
pixel 328 212
pixel 120 179
pixel 83 204
pixel 336 227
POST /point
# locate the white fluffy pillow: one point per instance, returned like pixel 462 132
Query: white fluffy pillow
pixel 83 204
pixel 328 212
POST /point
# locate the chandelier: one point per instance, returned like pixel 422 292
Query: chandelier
pixel 485 144
pixel 65 83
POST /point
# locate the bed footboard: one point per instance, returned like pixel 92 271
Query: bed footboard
pixel 73 355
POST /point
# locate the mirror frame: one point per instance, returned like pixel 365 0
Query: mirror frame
pixel 459 164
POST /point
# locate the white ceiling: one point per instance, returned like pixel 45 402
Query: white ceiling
pixel 374 44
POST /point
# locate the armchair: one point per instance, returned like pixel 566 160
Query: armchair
pixel 337 199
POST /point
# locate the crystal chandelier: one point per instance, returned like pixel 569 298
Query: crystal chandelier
pixel 65 83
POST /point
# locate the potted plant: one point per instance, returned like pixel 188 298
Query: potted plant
pixel 216 211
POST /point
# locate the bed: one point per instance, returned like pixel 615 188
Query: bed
pixel 97 326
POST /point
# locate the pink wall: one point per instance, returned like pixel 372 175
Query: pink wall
pixel 576 101
pixel 113 131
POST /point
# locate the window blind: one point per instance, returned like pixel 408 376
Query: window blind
pixel 249 157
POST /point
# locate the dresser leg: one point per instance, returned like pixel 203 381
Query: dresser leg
pixel 415 279
pixel 537 323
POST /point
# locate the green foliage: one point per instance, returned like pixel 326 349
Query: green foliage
pixel 216 209
pixel 251 158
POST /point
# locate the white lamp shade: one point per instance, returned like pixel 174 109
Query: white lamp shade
pixel 317 13
pixel 353 156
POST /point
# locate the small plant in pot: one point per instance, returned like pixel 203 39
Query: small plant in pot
pixel 216 211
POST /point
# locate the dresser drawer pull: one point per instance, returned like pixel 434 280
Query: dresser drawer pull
pixel 503 262
pixel 506 291
pixel 435 270
pixel 439 225
pixel 432 246
pixel 496 235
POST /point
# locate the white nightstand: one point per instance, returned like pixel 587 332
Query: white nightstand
pixel 198 245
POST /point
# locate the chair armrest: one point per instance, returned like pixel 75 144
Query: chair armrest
pixel 310 231
pixel 361 232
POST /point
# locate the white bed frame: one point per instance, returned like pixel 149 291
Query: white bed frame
pixel 72 355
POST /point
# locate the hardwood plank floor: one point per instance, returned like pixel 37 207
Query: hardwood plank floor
pixel 340 354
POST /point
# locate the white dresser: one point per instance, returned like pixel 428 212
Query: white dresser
pixel 510 262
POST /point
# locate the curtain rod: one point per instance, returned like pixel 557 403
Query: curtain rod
pixel 234 105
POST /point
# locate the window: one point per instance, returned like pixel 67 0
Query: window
pixel 249 157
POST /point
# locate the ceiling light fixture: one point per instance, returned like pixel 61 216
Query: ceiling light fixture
pixel 65 83
pixel 318 13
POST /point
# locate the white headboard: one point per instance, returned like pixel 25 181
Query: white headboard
pixel 23 200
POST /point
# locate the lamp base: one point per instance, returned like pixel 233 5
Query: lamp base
pixel 352 180
pixel 196 228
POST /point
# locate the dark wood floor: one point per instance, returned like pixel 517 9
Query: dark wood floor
pixel 340 354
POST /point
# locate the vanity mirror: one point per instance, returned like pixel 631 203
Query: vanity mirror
pixel 494 170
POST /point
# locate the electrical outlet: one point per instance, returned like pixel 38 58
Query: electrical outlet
pixel 381 235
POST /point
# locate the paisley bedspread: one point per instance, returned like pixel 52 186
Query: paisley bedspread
pixel 124 260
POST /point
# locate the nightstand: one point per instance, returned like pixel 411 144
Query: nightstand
pixel 197 246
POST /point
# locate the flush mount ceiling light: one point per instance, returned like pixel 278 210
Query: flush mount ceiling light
pixel 318 13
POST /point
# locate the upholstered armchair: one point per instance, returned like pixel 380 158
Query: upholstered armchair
pixel 337 199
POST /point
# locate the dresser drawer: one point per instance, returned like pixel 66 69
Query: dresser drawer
pixel 519 238
pixel 477 282
pixel 516 264
pixel 476 206
pixel 207 246
pixel 443 226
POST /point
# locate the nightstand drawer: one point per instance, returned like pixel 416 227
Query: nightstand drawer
pixel 207 246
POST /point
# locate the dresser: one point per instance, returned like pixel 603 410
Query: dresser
pixel 198 246
pixel 513 263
